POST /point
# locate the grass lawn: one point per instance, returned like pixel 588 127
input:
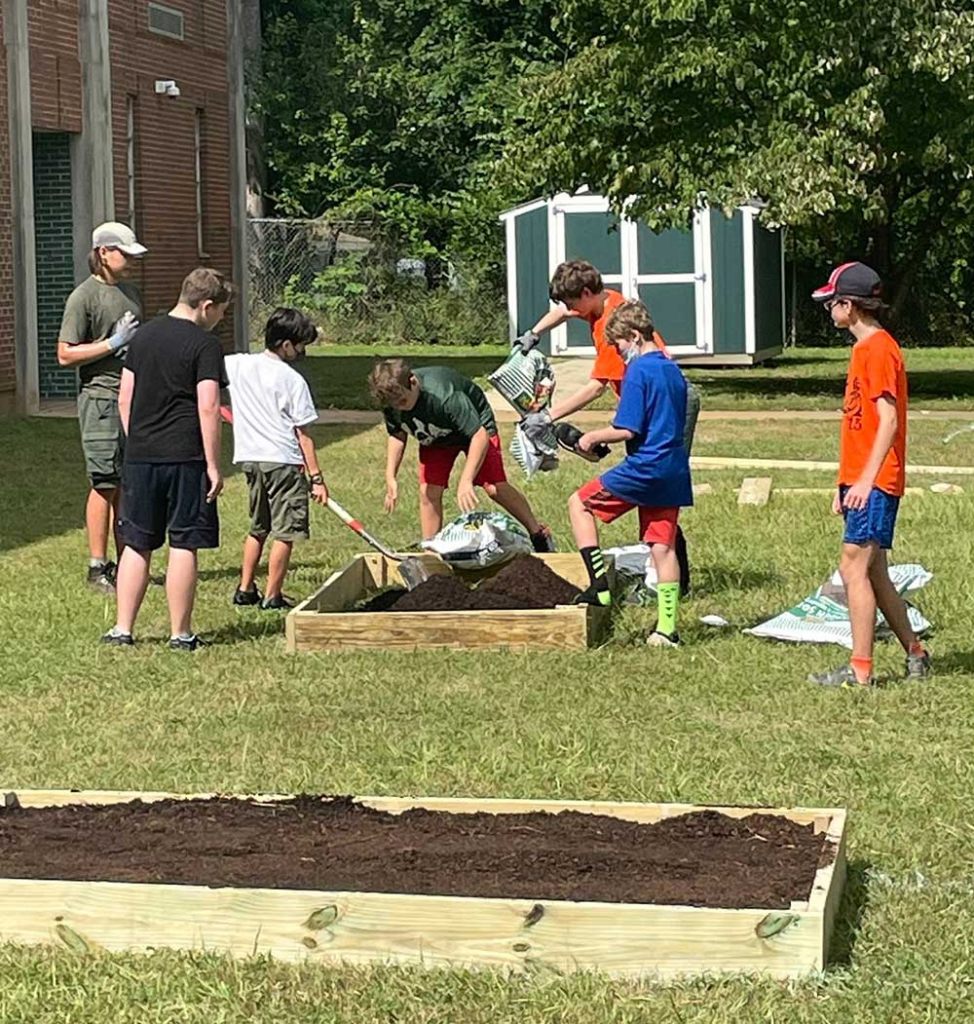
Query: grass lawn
pixel 805 378
pixel 729 719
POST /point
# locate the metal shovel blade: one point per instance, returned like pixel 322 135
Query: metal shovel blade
pixel 413 572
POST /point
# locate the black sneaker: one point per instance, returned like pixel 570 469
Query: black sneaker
pixel 246 597
pixel 101 578
pixel 116 638
pixel 186 643
pixel 276 604
pixel 601 598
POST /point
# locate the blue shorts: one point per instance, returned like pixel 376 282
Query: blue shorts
pixel 874 523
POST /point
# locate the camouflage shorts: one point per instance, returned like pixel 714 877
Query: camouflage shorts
pixel 102 440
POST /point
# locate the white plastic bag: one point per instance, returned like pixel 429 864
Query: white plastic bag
pixel 527 382
pixel 478 539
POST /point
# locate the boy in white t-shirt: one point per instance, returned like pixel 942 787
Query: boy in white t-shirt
pixel 272 405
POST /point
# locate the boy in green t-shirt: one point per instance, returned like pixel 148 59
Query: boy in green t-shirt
pixel 447 414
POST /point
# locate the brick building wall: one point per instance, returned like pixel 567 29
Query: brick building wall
pixel 53 230
pixel 164 151
pixel 165 142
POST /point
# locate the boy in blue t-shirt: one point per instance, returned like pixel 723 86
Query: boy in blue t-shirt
pixel 655 475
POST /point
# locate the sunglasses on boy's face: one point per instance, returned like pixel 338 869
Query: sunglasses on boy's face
pixel 835 302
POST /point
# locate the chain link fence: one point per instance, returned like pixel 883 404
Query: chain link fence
pixel 285 255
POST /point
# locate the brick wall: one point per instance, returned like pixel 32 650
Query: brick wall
pixel 8 378
pixel 165 142
pixel 53 231
pixel 55 68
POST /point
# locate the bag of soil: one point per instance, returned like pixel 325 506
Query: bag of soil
pixel 478 539
pixel 527 382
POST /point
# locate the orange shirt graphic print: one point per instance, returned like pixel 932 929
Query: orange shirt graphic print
pixel 876 372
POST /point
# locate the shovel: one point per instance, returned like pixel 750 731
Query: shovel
pixel 411 569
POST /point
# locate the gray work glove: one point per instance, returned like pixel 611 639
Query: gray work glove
pixel 527 341
pixel 536 425
pixel 122 332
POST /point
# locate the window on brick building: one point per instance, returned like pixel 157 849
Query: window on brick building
pixel 199 125
pixel 130 160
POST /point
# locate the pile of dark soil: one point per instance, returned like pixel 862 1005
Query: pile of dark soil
pixel 703 859
pixel 525 582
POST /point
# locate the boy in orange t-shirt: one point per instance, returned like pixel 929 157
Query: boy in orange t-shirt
pixel 872 474
pixel 578 289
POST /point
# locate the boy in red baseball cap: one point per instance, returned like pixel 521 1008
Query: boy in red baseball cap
pixel 872 473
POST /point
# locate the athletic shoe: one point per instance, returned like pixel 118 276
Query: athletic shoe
pixel 276 604
pixel 101 578
pixel 116 638
pixel 542 541
pixel 186 643
pixel 246 597
pixel 918 666
pixel 593 595
pixel 843 678
pixel 658 639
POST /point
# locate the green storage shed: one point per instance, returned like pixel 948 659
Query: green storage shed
pixel 716 291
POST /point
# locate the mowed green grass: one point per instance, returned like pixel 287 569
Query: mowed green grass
pixel 729 719
pixel 801 378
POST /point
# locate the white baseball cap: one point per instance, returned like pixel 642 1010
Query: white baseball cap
pixel 117 236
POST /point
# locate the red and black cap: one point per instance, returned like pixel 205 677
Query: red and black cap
pixel 851 280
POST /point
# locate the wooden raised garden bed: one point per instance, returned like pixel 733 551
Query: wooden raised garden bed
pixel 283 842
pixel 326 621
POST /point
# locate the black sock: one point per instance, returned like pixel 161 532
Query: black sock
pixel 595 563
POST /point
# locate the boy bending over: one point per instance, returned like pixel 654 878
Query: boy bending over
pixel 447 414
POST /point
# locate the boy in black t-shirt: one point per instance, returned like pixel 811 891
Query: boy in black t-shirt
pixel 169 403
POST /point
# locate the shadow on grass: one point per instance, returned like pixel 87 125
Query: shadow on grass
pixel 959 662
pixel 852 911
pixel 339 382
pixel 709 580
pixel 44 484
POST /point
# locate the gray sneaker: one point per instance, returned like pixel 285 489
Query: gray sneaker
pixel 843 678
pixel 101 578
pixel 918 666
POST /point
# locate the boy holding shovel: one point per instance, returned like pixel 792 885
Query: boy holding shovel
pixel 655 475
pixel 872 474
pixel 447 414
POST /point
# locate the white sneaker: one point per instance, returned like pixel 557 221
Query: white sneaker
pixel 658 639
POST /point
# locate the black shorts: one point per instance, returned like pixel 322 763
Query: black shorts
pixel 167 496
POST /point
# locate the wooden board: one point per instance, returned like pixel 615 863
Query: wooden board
pixel 755 490
pixel 322 623
pixel 545 937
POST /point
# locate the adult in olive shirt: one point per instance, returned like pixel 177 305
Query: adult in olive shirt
pixel 100 316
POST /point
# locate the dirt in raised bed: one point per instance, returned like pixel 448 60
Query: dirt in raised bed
pixel 335 844
pixel 525 582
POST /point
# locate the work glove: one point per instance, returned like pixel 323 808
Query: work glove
pixel 536 425
pixel 569 436
pixel 122 332
pixel 526 341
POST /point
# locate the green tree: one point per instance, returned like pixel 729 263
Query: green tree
pixel 395 109
pixel 853 120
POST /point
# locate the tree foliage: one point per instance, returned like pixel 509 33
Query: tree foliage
pixel 853 121
pixel 394 109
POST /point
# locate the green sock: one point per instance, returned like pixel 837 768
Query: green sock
pixel 595 563
pixel 668 600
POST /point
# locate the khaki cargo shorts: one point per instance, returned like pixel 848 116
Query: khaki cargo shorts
pixel 102 439
pixel 278 497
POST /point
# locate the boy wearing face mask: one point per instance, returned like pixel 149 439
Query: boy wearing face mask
pixel 272 407
pixel 653 478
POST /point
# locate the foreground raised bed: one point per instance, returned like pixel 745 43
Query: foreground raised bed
pixel 326 621
pixel 620 939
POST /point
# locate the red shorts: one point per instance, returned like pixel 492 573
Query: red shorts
pixel 436 463
pixel 656 525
